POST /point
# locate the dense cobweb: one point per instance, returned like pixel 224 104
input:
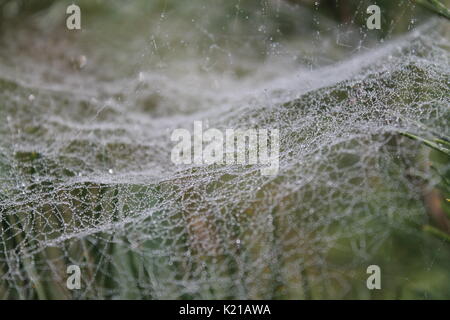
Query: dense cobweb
pixel 86 177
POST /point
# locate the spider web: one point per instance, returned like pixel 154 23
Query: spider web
pixel 85 171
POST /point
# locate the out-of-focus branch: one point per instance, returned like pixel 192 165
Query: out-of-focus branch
pixel 435 6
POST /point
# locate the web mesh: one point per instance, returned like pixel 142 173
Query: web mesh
pixel 85 170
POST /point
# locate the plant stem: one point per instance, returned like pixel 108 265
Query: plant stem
pixel 436 6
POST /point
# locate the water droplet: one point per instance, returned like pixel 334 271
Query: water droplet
pixel 81 61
